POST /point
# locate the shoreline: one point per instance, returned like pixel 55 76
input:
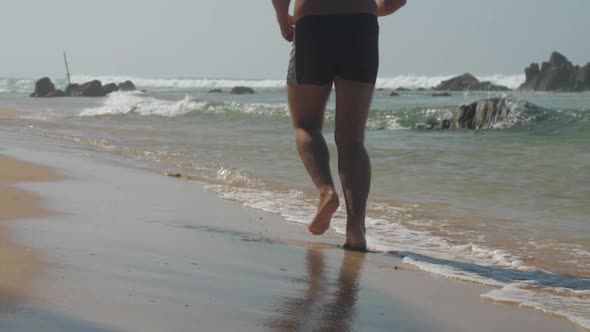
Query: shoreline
pixel 203 245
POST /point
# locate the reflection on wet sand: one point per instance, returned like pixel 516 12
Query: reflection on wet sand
pixel 325 304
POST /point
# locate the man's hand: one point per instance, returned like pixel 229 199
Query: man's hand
pixel 288 29
pixel 286 21
pixel 388 7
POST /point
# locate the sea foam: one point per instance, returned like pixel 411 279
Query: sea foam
pixel 121 103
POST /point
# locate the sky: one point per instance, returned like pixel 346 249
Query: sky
pixel 240 38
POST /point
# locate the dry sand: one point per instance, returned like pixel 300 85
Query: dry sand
pixel 138 251
pixel 19 267
pixel 11 114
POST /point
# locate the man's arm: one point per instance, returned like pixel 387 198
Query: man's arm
pixel 388 7
pixel 285 21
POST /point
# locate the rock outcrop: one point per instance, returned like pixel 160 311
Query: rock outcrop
pixel 45 88
pixel 127 86
pixel 558 74
pixel 483 114
pixel 215 91
pixel 88 89
pixel 242 90
pixel 468 82
pixel 110 88
pixel 56 93
pixel 441 94
pixel 394 94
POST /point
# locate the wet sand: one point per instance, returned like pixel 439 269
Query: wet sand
pixel 133 250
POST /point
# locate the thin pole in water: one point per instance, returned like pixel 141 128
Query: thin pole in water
pixel 67 68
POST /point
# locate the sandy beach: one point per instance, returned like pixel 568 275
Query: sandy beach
pixel 10 114
pixel 133 250
pixel 20 267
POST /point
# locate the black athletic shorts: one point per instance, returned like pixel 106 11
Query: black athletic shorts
pixel 329 46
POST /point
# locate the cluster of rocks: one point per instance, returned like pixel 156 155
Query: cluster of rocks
pixel 465 82
pixel 238 90
pixel 397 91
pixel 482 114
pixel 45 88
pixel 558 74
pixel 441 94
pixel 468 82
pixel 436 94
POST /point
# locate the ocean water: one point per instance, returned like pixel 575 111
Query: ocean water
pixel 507 207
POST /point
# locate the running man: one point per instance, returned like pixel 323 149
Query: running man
pixel 335 42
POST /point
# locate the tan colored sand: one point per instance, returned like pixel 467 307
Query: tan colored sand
pixel 11 114
pixel 19 266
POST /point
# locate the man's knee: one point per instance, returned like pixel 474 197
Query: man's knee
pixel 307 126
pixel 349 142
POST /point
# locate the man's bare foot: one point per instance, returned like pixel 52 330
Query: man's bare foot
pixel 328 205
pixel 355 240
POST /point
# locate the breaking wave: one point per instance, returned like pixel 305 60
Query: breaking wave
pixel 137 104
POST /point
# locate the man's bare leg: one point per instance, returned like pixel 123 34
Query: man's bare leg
pixel 307 104
pixel 353 101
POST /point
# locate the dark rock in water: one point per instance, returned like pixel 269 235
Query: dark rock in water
pixel 531 73
pixel 402 89
pixel 71 89
pixel 445 124
pixel 88 89
pixel 56 93
pixel 111 87
pixel 92 89
pixel 127 86
pixel 394 94
pixel 424 126
pixel 441 94
pixel 468 82
pixel 44 88
pixel 430 124
pixel 558 74
pixel 242 90
pixel 379 89
pixel 483 114
pixel 489 86
pixel 582 81
pixel 215 91
pixel 459 83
